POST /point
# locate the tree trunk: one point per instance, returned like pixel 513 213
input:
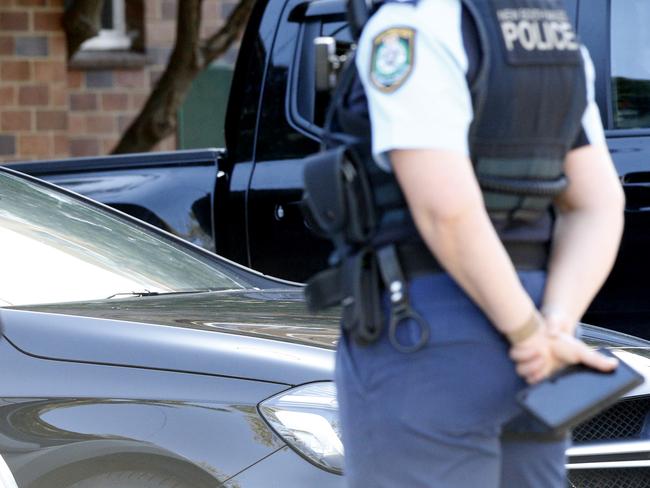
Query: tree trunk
pixel 158 116
pixel 157 119
pixel 82 21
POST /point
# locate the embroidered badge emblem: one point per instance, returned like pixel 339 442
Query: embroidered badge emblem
pixel 392 58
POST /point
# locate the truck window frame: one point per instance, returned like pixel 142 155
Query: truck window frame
pixel 301 99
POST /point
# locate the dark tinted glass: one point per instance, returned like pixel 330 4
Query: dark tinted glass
pixel 107 12
pixel 107 15
pixel 631 63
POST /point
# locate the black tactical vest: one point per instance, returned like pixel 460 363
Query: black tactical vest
pixel 528 92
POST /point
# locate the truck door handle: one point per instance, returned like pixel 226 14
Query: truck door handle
pixel 293 210
pixel 279 212
pixel 287 209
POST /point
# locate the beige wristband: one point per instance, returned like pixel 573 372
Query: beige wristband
pixel 525 330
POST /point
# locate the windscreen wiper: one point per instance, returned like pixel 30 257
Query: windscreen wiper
pixel 147 293
pixel 144 293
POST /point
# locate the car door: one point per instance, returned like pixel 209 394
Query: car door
pixel 622 61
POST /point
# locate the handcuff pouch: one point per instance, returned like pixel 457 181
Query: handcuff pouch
pixel 362 314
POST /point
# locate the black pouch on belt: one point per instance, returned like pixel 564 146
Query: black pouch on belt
pixel 324 198
pixel 362 317
pixel 338 196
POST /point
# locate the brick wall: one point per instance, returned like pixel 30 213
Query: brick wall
pixel 49 109
pixel 33 81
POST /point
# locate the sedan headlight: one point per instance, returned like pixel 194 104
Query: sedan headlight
pixel 307 419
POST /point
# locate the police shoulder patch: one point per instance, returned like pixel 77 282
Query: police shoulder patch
pixel 391 63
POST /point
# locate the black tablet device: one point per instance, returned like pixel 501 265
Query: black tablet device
pixel 577 393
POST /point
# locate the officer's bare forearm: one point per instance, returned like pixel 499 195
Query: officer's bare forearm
pixel 587 232
pixel 447 206
pixel 584 249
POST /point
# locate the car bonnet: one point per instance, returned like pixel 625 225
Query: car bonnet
pixel 260 334
pixel 265 336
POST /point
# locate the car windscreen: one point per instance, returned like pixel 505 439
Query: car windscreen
pixel 58 248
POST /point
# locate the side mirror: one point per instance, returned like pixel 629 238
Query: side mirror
pixel 327 62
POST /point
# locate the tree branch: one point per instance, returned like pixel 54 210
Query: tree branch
pixel 217 44
pixel 157 119
pixel 82 21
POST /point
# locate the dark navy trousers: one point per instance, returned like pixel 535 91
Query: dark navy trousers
pixel 434 418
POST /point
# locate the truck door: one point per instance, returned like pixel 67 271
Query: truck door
pixel 280 242
pixel 244 102
pixel 622 62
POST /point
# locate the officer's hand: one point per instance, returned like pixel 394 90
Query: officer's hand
pixel 534 358
pixel 568 350
pixel 544 353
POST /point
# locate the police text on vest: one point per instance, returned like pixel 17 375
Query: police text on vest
pixel 536 29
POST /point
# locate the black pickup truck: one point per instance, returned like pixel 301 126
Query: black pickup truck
pixel 243 201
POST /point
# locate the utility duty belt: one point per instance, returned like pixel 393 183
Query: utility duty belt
pixel 341 205
pixel 358 283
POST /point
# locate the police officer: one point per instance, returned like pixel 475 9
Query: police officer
pixel 482 115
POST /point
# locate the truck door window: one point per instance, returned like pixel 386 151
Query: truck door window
pixel 310 106
pixel 343 36
pixel 630 63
